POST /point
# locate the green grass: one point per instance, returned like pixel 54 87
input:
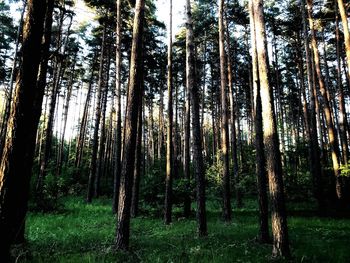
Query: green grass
pixel 85 233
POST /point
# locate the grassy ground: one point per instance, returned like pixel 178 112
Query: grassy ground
pixel 85 233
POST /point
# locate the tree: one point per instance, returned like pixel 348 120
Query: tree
pixel 263 235
pixel 133 101
pixel 197 143
pixel 273 158
pixel 169 141
pixel 17 159
pixel 224 120
pixel 118 129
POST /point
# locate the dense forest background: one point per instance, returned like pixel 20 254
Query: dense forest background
pixel 120 142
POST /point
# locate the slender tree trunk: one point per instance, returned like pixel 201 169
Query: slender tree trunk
pixel 273 156
pixel 93 162
pixel 344 19
pixel 17 158
pixel 314 150
pixel 343 124
pixel 224 120
pixel 263 235
pixel 118 130
pixel 169 140
pixel 198 163
pixel 333 141
pixel 138 164
pixel 134 99
pixel 232 116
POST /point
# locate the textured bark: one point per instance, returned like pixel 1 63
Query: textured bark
pixel 226 192
pixel 118 129
pixel 273 156
pixel 197 143
pixel 333 141
pixel 263 235
pixel 134 99
pixel 95 139
pixel 17 159
pixel 169 138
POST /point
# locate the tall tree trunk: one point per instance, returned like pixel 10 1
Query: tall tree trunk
pixel 232 116
pixel 134 99
pixel 333 141
pixel 263 235
pixel 169 139
pixel 343 124
pixel 344 19
pixel 224 120
pixel 64 121
pixel 198 163
pixel 93 162
pixel 17 158
pixel 314 150
pixel 118 129
pixel 138 164
pixel 273 156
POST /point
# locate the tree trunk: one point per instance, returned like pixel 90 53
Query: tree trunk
pixel 198 164
pixel 344 19
pixel 273 156
pixel 333 141
pixel 263 235
pixel 134 99
pixel 314 150
pixel 93 163
pixel 224 120
pixel 169 139
pixel 343 124
pixel 118 129
pixel 17 158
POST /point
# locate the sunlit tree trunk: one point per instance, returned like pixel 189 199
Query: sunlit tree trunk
pixel 263 235
pixel 273 156
pixel 134 100
pixel 333 141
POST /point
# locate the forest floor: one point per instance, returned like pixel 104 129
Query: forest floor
pixel 82 232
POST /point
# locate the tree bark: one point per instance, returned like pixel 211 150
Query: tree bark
pixel 333 141
pixel 263 235
pixel 273 156
pixel 134 99
pixel 17 158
